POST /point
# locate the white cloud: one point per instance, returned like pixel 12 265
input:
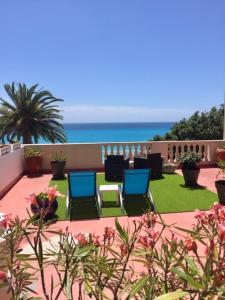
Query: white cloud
pixel 96 113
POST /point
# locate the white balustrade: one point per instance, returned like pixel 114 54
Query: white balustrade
pixel 170 150
pixel 129 150
pixel 175 149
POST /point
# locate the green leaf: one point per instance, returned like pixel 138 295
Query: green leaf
pixel 188 278
pixel 87 286
pixel 123 234
pixel 138 286
pixel 192 265
pixel 173 296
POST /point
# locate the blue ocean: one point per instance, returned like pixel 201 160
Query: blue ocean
pixel 115 132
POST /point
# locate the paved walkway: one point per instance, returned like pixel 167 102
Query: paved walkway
pixel 207 177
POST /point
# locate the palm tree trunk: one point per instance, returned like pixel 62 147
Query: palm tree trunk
pixel 27 139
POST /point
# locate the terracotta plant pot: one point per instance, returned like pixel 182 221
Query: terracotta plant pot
pixel 220 153
pixel 220 187
pixel 58 169
pixel 34 164
pixel 190 176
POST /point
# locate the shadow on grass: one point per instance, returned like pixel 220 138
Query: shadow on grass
pixel 157 178
pixel 81 214
pixel 84 209
pixel 108 204
pixel 136 205
pixel 194 187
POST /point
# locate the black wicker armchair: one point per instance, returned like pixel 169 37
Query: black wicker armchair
pixel 114 166
pixel 154 161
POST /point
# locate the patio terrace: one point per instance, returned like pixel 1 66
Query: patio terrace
pixel 15 186
pixel 90 156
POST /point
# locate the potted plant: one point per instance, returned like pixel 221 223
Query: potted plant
pixel 220 183
pixel 190 170
pixel 33 158
pixel 45 204
pixel 220 154
pixel 58 164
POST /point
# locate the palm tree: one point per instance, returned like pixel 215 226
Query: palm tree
pixel 32 113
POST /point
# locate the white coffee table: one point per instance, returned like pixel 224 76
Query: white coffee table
pixel 109 188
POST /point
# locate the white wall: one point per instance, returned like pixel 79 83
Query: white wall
pixel 78 156
pixel 11 168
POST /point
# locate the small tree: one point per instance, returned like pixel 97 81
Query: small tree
pixel 31 114
pixel 200 126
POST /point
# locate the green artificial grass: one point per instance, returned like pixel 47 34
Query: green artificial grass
pixel 169 193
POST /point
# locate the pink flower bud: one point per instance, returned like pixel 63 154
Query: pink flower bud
pixel 123 249
pixel 96 239
pixel 221 229
pixel 190 245
pixel 2 275
pixel 153 233
pixel 146 241
pixel 209 250
pixel 6 221
pixel 32 199
pixel 109 232
pixel 81 238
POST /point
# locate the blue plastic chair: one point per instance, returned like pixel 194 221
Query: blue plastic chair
pixel 136 182
pixel 82 189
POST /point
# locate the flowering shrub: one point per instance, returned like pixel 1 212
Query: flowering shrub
pixel 44 204
pixel 189 159
pixel 142 261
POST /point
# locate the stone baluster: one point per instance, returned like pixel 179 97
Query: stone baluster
pixel 110 149
pixel 104 150
pixel 174 152
pixel 123 150
pixel 204 150
pixel 141 150
pixel 130 151
pixel 136 150
pixel 170 152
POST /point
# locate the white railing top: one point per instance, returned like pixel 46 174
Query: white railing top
pixel 128 143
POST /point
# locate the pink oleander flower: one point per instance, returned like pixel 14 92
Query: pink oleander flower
pixel 216 207
pixel 123 249
pixel 221 229
pixel 109 232
pixel 149 219
pixel 96 239
pixel 201 217
pixel 32 199
pixel 219 279
pixel 146 241
pixel 221 214
pixel 2 275
pixel 6 221
pixel 174 237
pixel 190 244
pixel 81 238
pixel 209 250
pixel 52 193
pixel 153 233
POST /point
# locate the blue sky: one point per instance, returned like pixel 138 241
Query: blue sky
pixel 117 60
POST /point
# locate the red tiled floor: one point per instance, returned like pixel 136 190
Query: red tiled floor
pixel 14 201
pixel 207 177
